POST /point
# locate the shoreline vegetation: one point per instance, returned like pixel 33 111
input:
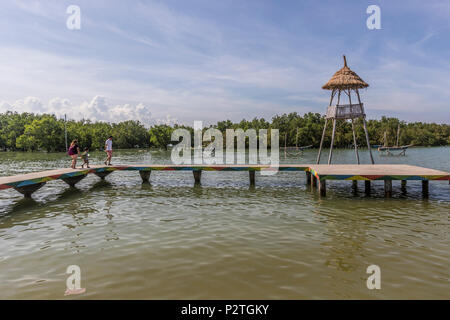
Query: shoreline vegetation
pixel 45 132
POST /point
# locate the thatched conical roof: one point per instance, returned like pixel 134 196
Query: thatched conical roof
pixel 345 79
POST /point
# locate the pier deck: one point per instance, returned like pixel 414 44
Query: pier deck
pixel 316 174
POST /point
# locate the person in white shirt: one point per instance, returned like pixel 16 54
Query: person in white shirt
pixel 109 150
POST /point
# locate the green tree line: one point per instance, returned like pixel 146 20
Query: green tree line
pixel 30 132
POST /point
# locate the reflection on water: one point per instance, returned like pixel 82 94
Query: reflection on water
pixel 223 239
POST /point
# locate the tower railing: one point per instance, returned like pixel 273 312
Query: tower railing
pixel 345 111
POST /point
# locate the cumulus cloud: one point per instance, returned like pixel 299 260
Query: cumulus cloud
pixel 168 119
pixel 97 109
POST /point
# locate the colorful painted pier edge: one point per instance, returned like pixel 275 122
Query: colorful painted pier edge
pixel 317 175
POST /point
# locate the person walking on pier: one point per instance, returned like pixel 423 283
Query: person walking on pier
pixel 109 150
pixel 85 157
pixel 73 152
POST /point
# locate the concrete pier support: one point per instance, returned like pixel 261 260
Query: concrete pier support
pixel 308 178
pixel 367 186
pixel 388 188
pixel 251 175
pixel 145 175
pixel 72 181
pixel 322 188
pixel 197 176
pixel 102 174
pixel 27 191
pixel 425 188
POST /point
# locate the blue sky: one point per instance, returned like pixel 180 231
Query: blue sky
pixel 167 61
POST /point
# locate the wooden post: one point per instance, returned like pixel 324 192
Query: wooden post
pixel 251 174
pixel 333 92
pixel 367 186
pixel 322 188
pixel 355 185
pixel 145 175
pixel 308 177
pixel 388 188
pixel 403 185
pixel 313 181
pixel 197 176
pixel 425 188
pixel 365 129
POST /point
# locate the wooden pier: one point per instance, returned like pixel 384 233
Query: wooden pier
pixel 317 174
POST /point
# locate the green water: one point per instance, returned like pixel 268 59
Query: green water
pixel 223 239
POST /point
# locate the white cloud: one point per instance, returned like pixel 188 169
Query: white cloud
pixel 168 120
pixel 97 109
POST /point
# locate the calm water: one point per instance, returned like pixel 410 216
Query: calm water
pixel 171 240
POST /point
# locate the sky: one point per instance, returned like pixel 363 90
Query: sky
pixel 170 61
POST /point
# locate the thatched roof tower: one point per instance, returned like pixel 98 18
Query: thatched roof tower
pixel 344 79
pixel 347 82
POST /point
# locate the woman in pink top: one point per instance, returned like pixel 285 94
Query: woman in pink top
pixel 73 152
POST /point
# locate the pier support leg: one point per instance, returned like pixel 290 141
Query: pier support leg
pixel 72 181
pixel 308 178
pixel 145 175
pixel 102 174
pixel 403 187
pixel 367 186
pixel 313 181
pixel 425 188
pixel 197 176
pixel 322 188
pixel 355 185
pixel 251 175
pixel 388 188
pixel 27 191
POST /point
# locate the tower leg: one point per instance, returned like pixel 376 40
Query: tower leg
pixel 332 141
pixel 354 142
pixel 321 141
pixel 367 139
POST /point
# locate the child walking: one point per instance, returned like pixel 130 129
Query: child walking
pixel 85 157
